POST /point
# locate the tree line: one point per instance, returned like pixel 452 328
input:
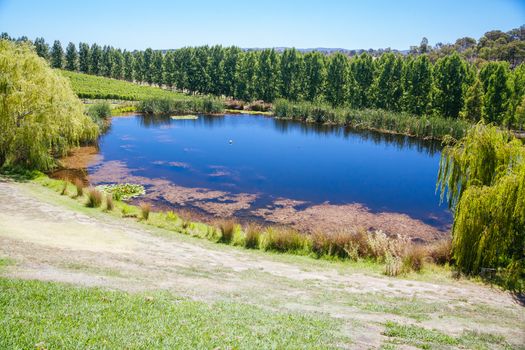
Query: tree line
pixel 452 86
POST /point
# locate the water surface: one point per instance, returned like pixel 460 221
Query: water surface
pixel 281 159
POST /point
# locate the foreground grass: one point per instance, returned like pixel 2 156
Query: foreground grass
pixel 53 315
pixel 424 338
pixel 96 87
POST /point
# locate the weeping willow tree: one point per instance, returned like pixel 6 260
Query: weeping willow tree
pixel 40 116
pixel 483 177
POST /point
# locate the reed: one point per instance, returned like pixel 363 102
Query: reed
pixel 94 198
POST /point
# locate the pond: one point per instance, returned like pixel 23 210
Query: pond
pixel 277 171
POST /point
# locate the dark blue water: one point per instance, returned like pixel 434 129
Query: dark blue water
pixel 283 159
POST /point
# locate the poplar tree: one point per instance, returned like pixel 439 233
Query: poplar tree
pixel 387 89
pixel 337 79
pixel 84 57
pixel 41 48
pixel 449 77
pixel 314 75
pixel 417 85
pixel 497 96
pixel 95 62
pixel 57 55
pixel 361 79
pixel 291 77
pixel 71 57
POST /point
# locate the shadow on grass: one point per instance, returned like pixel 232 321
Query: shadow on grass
pixel 18 174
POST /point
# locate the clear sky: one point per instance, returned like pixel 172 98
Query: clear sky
pixel 351 24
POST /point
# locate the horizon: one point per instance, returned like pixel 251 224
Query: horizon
pixel 136 26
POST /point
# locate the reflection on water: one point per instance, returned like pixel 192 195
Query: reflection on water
pixel 281 159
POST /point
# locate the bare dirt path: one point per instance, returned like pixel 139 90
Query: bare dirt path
pixel 49 240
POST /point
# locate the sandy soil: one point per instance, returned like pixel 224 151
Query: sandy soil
pixel 49 241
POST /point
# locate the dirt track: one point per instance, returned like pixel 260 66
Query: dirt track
pixel 49 241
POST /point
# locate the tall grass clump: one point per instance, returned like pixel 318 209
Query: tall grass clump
pixel 252 233
pixel 227 230
pixel 79 186
pixel 198 104
pixel 431 127
pixel 284 240
pixel 145 209
pixel 94 198
pixel 109 203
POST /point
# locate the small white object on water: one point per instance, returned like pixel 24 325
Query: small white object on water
pixel 231 141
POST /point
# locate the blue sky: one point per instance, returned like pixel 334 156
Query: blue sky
pixel 348 24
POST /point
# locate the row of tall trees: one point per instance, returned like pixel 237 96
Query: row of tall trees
pixel 451 87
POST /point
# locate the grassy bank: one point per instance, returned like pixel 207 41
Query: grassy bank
pixel 96 87
pixel 431 127
pixel 40 315
pixel 396 256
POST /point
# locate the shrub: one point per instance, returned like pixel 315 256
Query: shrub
pixel 414 257
pixel 341 244
pixel 441 251
pixel 145 209
pixel 186 105
pixel 94 198
pixel 170 215
pixel 393 265
pixel 99 111
pixel 79 185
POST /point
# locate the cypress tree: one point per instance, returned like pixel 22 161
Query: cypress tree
pixel 42 48
pixel 337 79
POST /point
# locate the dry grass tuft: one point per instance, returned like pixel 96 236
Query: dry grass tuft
pixel 79 186
pixel 393 265
pixel 284 240
pixel 252 235
pixel 145 209
pixel 441 251
pixel 109 203
pixel 414 258
pixel 227 230
pixel 94 198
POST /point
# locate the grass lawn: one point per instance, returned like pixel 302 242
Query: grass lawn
pixel 47 315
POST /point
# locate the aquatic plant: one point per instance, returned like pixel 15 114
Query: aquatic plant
pixel 124 191
pixel 186 105
pixel 432 127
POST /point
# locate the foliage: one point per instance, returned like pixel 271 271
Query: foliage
pixel 484 178
pixel 433 127
pixel 40 116
pixel 123 191
pixel 99 111
pixel 441 80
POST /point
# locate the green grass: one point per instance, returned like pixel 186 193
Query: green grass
pixel 49 315
pixel 97 87
pixel 424 338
